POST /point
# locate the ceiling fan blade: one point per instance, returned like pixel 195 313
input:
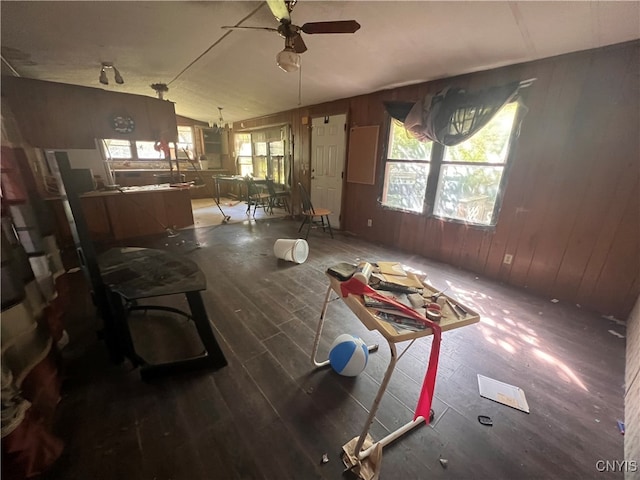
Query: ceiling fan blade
pixel 279 9
pixel 229 27
pixel 341 26
pixel 298 44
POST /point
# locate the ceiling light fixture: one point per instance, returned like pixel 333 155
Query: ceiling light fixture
pixel 288 60
pixel 160 88
pixel 103 74
pixel 219 127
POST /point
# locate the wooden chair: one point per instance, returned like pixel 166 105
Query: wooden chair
pixel 310 214
pixel 277 198
pixel 256 198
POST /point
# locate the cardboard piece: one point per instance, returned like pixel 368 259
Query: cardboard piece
pixel 391 268
pixel 406 281
pixel 504 393
pixel 367 469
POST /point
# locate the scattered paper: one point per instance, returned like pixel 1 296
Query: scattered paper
pixel 325 458
pixel 73 270
pixel 444 462
pixel 554 300
pixel 504 393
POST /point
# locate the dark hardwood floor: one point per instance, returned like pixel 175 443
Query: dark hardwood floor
pixel 270 415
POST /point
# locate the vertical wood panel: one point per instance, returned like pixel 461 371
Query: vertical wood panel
pixel 615 108
pixel 621 266
pixel 525 176
pixel 573 167
pixel 546 182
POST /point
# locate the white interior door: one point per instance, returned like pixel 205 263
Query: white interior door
pixel 328 149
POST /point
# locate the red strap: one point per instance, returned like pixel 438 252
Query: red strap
pixel 423 408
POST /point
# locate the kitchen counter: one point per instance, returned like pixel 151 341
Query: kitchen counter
pixel 161 187
pixel 137 177
pixel 114 215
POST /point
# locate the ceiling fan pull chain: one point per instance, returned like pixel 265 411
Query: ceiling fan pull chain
pixel 300 86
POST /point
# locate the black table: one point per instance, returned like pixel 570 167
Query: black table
pixel 132 274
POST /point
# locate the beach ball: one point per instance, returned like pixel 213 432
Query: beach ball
pixel 348 355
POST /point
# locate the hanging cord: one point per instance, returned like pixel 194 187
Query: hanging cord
pixel 300 85
pixel 251 14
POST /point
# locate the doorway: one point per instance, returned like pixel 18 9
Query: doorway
pixel 328 149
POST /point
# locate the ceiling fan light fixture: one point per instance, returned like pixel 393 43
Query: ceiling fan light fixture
pixel 288 60
pixel 103 74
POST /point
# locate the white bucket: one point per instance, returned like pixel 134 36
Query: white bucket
pixel 291 250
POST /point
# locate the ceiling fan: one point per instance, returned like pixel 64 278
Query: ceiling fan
pixel 289 58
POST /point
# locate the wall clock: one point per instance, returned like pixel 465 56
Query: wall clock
pixel 123 124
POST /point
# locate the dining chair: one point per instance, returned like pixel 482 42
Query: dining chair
pixel 277 198
pixel 256 197
pixel 310 213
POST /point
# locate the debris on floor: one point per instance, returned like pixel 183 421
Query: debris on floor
pixel 621 426
pixel 325 458
pixel 504 393
pixel 444 462
pixel 554 300
pixel 484 420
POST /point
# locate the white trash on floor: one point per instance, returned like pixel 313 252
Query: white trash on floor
pixel 291 250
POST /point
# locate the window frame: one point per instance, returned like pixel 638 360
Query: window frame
pixel 267 160
pixel 436 163
pixel 175 149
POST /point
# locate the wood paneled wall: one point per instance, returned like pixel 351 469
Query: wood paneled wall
pixel 57 115
pixel 571 210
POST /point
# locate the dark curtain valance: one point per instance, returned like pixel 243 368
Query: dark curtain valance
pixel 398 110
pixel 453 115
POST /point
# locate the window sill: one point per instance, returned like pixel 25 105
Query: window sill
pixel 478 226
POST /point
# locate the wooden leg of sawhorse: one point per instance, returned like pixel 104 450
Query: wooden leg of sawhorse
pixel 316 340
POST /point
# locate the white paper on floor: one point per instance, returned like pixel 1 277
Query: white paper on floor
pixel 501 392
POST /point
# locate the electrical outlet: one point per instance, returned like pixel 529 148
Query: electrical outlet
pixel 508 258
pixel 369 222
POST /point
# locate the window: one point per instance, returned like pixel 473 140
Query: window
pixel 185 143
pixel 260 162
pixel 406 171
pixel 116 149
pixel 263 153
pixel 276 157
pixel 468 177
pixel 147 151
pixel 245 155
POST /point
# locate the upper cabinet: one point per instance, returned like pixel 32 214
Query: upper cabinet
pixel 57 115
pixel 211 141
pixel 213 144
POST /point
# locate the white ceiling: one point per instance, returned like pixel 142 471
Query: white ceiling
pixel 399 43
